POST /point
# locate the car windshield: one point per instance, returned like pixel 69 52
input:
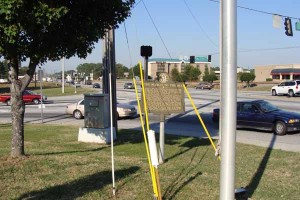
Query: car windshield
pixel 266 106
pixel 29 92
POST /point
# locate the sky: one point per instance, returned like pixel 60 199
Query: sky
pixel 176 28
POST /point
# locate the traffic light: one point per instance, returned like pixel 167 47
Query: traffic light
pixel 209 58
pixel 192 59
pixel 288 26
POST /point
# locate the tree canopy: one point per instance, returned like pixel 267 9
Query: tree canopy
pixel 247 77
pixel 39 30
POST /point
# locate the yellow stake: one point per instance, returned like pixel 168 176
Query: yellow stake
pixel 199 117
pixel 147 120
pixel 146 143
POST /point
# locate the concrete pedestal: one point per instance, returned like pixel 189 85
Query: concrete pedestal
pixel 95 135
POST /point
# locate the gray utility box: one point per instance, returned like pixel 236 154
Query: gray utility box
pixel 96 111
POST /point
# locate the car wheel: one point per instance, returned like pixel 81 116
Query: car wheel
pixel 35 101
pixel 274 93
pixel 280 128
pixel 291 93
pixel 8 102
pixel 77 114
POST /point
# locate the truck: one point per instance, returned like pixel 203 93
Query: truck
pixel 28 97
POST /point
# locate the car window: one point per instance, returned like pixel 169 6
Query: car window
pixel 81 103
pixel 287 83
pixel 266 106
pixel 292 83
pixel 298 82
pixel 282 84
pixel 247 107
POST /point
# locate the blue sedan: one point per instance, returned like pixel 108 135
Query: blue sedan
pixel 262 115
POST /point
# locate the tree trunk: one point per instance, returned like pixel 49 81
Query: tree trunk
pixel 17 105
pixel 17 110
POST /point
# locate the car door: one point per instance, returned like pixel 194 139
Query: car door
pixel 26 96
pixel 245 115
pixel 282 88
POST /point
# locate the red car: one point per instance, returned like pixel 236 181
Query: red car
pixel 28 97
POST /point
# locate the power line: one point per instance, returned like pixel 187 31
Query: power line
pixel 197 22
pixel 157 30
pixel 128 45
pixel 255 10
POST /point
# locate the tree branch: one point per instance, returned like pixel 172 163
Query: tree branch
pixel 29 74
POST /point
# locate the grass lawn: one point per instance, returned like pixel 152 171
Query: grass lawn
pixel 59 167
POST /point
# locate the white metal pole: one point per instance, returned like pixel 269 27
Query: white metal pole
pixel 112 136
pixel 41 87
pixel 63 75
pixel 228 99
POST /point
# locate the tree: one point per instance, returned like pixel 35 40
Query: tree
pixel 191 73
pixel 209 76
pixel 175 74
pixel 86 69
pixel 120 70
pixel 247 77
pixel 39 31
pixel 206 71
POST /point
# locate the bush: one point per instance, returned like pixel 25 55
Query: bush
pixel 269 79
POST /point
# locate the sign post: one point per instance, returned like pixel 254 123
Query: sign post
pixel 40 74
pixel 164 98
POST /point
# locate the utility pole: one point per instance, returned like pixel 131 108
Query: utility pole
pixel 228 98
pixel 109 66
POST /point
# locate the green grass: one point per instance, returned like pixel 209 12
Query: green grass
pixel 59 167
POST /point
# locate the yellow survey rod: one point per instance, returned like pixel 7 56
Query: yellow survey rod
pixel 199 117
pixel 147 124
pixel 146 142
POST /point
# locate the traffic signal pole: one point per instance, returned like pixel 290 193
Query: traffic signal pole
pixel 228 99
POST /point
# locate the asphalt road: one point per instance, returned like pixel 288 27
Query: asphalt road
pixel 186 124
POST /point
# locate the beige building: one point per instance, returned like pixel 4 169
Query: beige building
pixel 277 72
pixel 158 65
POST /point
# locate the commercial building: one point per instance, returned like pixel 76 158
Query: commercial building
pixel 159 65
pixel 277 72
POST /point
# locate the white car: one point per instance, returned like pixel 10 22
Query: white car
pixel 290 88
pixel 123 110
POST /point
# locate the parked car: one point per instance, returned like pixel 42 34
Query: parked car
pixel 96 85
pixel 262 115
pixel 123 110
pixel 204 85
pixel 28 97
pixel 290 88
pixel 128 85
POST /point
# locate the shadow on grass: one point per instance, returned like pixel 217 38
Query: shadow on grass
pixel 180 181
pixel 126 136
pixel 80 187
pixel 68 152
pixel 192 143
pixel 251 187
